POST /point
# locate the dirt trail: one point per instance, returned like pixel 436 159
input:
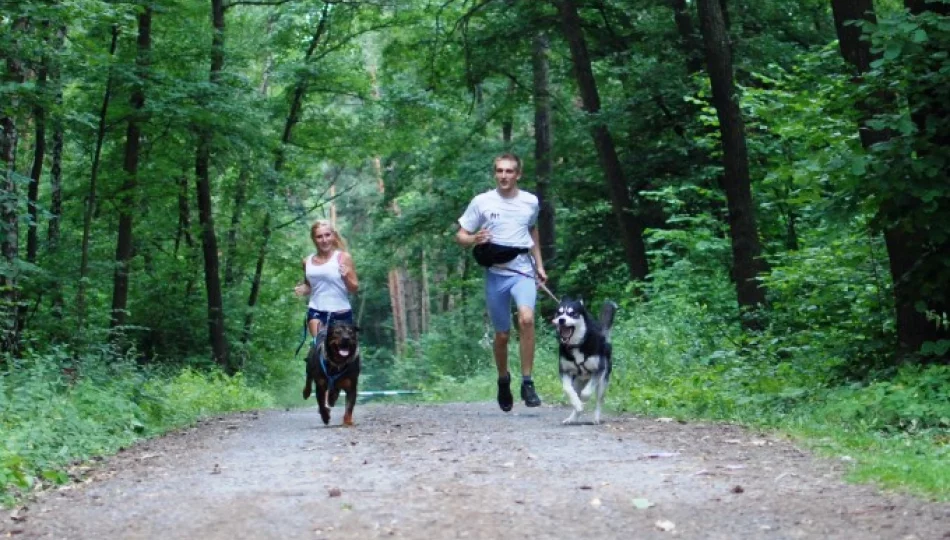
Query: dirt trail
pixel 469 471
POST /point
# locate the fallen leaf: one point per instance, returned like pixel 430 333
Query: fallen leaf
pixel 737 489
pixel 585 487
pixel 642 504
pixel 661 455
pixel 665 420
pixel 335 492
pixel 665 525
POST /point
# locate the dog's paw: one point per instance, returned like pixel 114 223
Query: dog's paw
pixel 570 419
pixel 306 392
pixel 325 415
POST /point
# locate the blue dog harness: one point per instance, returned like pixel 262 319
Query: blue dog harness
pixel 331 379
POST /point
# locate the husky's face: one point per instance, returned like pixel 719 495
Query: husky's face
pixel 570 320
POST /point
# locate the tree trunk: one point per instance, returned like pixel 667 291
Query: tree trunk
pixel 209 240
pixel 293 116
pixel 90 206
pixel 905 249
pixel 127 202
pixel 56 169
pixel 630 226
pixel 425 296
pixel 508 124
pixel 240 198
pixel 921 258
pixel 747 262
pixel 184 215
pixel 543 144
pixel 39 156
pixel 9 210
pixel 397 297
pixel 688 42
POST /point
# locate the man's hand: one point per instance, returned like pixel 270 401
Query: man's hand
pixel 482 237
pixel 467 239
pixel 542 275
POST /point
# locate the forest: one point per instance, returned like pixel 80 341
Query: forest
pixel 762 186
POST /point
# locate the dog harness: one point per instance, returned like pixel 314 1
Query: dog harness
pixel 331 379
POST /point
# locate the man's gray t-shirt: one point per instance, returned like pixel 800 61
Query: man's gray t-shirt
pixel 509 220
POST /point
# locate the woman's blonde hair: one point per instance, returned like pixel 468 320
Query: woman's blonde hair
pixel 338 241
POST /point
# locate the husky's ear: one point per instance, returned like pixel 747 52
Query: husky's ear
pixel 580 301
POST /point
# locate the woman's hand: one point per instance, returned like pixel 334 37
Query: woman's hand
pixel 348 273
pixel 302 289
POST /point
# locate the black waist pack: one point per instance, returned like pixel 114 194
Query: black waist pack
pixel 491 254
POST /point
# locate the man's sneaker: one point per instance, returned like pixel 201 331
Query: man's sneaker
pixel 505 399
pixel 528 394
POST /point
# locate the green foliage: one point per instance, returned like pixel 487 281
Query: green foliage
pixel 56 411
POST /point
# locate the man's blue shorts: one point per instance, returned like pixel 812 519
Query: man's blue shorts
pixel 500 290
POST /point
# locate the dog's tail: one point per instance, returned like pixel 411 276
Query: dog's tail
pixel 607 313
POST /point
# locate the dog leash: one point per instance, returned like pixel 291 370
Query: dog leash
pixel 536 280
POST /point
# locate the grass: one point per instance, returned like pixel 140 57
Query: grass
pixel 56 411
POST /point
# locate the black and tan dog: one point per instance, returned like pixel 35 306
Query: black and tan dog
pixel 334 365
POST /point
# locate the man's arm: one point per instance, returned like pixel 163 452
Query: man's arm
pixel 536 252
pixel 467 239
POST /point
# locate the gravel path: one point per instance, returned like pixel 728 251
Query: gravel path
pixel 468 471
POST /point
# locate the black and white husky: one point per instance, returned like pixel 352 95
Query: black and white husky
pixel 585 353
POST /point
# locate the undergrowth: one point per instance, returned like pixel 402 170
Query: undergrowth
pixel 56 410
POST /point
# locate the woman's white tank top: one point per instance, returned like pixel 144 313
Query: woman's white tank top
pixel 327 290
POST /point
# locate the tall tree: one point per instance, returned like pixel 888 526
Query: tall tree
pixel 630 224
pixel 39 152
pixel 543 142
pixel 127 201
pixel 747 262
pixel 91 197
pixel 56 164
pixel 293 117
pixel 907 246
pixel 9 204
pixel 209 240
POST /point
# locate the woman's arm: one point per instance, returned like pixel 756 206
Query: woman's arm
pixel 348 273
pixel 303 287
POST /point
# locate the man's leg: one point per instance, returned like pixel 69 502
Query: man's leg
pixel 525 294
pixel 498 301
pixel 500 349
pixel 526 345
